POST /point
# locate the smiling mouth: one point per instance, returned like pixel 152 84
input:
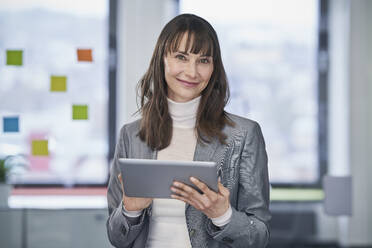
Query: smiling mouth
pixel 187 83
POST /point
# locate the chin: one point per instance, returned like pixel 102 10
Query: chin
pixel 189 97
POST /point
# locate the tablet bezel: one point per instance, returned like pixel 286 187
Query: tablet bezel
pixel 153 178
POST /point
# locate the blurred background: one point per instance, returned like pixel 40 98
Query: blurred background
pixel 68 72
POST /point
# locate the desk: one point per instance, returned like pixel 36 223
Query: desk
pixel 58 221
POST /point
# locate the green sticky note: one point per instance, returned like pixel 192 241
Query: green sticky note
pixel 80 112
pixel 58 83
pixel 40 148
pixel 14 57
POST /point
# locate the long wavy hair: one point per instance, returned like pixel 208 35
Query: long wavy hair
pixel 156 123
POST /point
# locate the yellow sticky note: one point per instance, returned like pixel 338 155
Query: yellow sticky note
pixel 84 55
pixel 14 57
pixel 58 83
pixel 40 148
pixel 80 112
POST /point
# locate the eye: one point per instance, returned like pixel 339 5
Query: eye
pixel 180 57
pixel 204 61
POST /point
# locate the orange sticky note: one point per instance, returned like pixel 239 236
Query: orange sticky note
pixel 84 55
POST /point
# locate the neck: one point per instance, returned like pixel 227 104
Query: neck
pixel 184 113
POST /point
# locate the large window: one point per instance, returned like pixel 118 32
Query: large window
pixel 54 91
pixel 269 50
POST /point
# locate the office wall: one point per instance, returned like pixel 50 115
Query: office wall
pixel 339 101
pixel 350 112
pixel 139 25
pixel 360 129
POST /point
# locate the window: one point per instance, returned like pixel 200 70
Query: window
pixel 54 86
pixel 269 50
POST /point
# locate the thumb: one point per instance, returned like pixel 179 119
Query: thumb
pixel 222 190
pixel 220 186
pixel 121 182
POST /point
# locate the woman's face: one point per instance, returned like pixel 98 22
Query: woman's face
pixel 187 74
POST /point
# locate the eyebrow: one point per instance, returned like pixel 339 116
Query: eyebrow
pixel 186 53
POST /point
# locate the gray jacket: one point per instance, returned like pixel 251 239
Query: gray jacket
pixel 243 167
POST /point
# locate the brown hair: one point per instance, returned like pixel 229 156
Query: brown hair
pixel 156 123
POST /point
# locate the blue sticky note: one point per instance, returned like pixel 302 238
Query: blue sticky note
pixel 11 124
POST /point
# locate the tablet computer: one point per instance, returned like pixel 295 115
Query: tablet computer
pixel 153 178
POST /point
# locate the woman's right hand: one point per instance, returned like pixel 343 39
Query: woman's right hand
pixel 134 203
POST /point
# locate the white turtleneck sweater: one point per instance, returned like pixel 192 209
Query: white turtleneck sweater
pixel 168 223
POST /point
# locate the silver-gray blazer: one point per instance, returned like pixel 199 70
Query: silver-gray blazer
pixel 243 165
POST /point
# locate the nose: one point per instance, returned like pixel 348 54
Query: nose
pixel 191 69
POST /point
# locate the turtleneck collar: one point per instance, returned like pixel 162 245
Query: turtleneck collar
pixel 184 113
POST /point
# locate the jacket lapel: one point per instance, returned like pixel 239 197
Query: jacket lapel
pixel 205 151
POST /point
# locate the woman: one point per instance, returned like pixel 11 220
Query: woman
pixel 183 95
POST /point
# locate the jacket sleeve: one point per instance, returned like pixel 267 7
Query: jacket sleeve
pixel 122 231
pixel 248 226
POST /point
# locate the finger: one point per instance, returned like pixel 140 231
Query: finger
pixel 223 190
pixel 179 192
pixel 191 194
pixel 195 204
pixel 186 188
pixel 202 202
pixel 202 186
pixel 178 197
pixel 210 194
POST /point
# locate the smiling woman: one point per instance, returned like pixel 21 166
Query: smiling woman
pixel 183 96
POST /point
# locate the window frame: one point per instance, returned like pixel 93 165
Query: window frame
pixel 322 85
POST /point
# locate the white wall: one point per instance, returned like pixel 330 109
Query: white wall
pixel 339 101
pixel 350 112
pixel 338 97
pixel 360 228
pixel 139 25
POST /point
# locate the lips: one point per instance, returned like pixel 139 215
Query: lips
pixel 187 83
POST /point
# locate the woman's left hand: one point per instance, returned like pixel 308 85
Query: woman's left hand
pixel 210 203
